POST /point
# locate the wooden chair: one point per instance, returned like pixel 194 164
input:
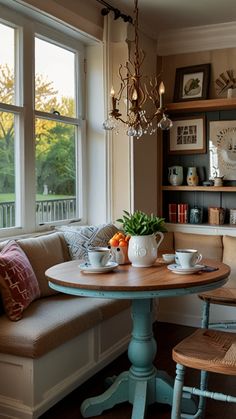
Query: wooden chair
pixel 224 296
pixel 208 351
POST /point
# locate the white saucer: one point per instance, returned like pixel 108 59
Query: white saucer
pixel 86 267
pixel 177 269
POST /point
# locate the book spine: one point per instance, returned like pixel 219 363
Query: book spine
pixel 173 213
pixel 183 213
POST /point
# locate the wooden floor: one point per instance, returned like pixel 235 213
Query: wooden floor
pixel 167 336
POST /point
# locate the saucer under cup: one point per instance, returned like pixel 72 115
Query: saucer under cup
pixel 187 258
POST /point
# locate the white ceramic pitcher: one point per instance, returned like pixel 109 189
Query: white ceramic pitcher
pixel 142 251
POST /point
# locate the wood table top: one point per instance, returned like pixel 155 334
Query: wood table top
pixel 129 278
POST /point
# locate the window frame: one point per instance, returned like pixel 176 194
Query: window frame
pixel 26 31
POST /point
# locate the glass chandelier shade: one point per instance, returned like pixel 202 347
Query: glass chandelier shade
pixel 136 91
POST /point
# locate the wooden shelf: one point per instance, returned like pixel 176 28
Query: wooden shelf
pixel 200 188
pixel 201 105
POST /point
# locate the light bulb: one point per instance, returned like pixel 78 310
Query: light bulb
pixel 112 93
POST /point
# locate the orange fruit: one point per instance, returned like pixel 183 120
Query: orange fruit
pixel 123 243
pixel 120 236
pixel 113 242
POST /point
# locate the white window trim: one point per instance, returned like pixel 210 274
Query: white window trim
pixel 26 150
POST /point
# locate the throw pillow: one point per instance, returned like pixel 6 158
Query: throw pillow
pixel 18 283
pixel 79 239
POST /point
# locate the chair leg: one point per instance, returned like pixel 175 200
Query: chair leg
pixel 205 314
pixel 203 387
pixel 178 390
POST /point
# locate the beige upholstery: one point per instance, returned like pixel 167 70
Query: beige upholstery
pixel 209 246
pixel 43 252
pixel 229 257
pixel 50 322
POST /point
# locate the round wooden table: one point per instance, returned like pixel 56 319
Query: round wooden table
pixel 143 384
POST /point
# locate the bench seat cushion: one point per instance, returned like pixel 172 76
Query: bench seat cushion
pixel 51 321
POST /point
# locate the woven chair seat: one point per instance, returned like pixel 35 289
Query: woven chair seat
pixel 208 350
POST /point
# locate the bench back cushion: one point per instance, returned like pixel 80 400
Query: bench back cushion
pixel 209 246
pixel 43 252
pixel 229 257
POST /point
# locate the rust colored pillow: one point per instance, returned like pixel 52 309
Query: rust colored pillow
pixel 18 283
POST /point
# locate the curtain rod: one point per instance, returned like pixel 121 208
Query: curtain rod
pixel 117 13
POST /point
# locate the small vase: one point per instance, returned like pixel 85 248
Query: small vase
pixel 175 175
pixel 192 177
pixel 142 250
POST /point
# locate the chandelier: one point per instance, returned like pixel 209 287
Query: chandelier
pixel 136 91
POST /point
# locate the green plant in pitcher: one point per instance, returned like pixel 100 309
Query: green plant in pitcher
pixel 141 224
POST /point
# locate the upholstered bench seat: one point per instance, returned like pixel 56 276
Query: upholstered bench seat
pixel 50 322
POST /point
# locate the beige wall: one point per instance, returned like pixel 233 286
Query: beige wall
pixel 221 60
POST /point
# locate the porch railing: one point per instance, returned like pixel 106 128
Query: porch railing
pixel 46 211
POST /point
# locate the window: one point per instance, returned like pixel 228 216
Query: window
pixel 40 141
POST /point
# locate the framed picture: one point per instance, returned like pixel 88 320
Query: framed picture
pixel 187 136
pixel 222 149
pixel 192 83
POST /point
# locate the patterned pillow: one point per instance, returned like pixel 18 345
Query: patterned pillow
pixel 79 239
pixel 18 283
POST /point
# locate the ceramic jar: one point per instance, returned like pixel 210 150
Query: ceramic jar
pixel 192 177
pixel 175 175
pixel 196 215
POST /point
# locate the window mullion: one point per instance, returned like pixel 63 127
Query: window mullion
pixel 27 140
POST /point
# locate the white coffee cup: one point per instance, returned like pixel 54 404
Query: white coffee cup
pixel 187 258
pixel 99 256
pixel 168 257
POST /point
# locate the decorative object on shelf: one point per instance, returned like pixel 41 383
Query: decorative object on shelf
pixel 232 216
pixel 136 94
pixel 192 176
pixel 143 229
pixel 183 213
pixel 231 93
pixel 201 170
pixel 192 83
pixel 175 175
pixel 196 215
pixel 208 183
pixel 216 215
pixel 188 136
pixel 172 213
pixel 218 180
pixel 226 83
pixel 222 149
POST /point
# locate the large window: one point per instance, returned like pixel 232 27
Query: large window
pixel 40 126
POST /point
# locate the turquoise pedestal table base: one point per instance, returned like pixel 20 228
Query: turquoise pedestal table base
pixel 143 384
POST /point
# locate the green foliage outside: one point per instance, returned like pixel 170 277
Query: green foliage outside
pixel 55 141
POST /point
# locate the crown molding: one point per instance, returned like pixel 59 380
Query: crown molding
pixel 195 39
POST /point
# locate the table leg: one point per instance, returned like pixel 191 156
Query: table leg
pixel 142 385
